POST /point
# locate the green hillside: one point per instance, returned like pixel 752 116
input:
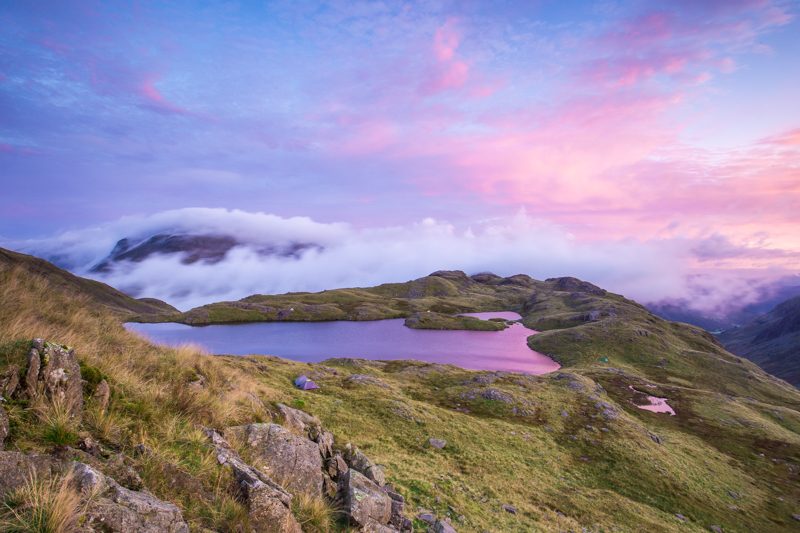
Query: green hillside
pixel 559 452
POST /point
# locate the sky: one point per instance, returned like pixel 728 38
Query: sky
pixel 669 130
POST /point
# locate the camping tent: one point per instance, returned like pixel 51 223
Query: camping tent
pixel 304 383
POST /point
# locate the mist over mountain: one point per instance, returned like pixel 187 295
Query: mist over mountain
pixel 195 256
pixel 771 340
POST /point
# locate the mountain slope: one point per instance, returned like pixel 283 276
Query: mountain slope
pixel 772 341
pixel 99 293
pixel 569 450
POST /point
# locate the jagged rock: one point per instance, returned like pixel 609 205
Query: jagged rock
pixel 53 375
pixel 510 509
pixel 309 426
pixel 113 508
pixel 292 460
pixel 268 504
pixel 497 395
pixel 364 379
pixel 9 381
pixel 4 426
pixel 441 526
pixel 15 468
pixel 655 438
pixel 101 396
pixel 398 520
pixel 437 443
pixel 363 500
pixel 427 517
pixel 90 446
pixel 336 466
pixel 298 421
pixel 357 460
pixel 374 527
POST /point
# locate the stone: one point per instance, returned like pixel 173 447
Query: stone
pixel 510 509
pixel 127 511
pixel 442 526
pixel 336 466
pixel 497 395
pixel 293 461
pixel 9 382
pixel 101 396
pixel 268 504
pixel 357 460
pixel 796 517
pixel 374 527
pixel 4 426
pixel 398 520
pixel 655 438
pixel 715 529
pixel 90 446
pixel 54 376
pixel 16 467
pixel 298 421
pixel 363 500
pixel 680 517
pixel 437 443
pixel 356 380
pixel 109 506
pixel 427 517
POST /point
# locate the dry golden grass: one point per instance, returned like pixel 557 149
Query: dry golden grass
pixel 314 513
pixel 42 506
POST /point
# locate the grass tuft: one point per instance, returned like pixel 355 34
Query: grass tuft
pixel 42 506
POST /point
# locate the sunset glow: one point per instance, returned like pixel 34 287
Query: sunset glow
pixel 629 121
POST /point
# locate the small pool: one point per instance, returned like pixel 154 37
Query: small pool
pixel 379 339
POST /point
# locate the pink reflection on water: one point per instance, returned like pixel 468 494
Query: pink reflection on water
pixel 380 339
pixel 657 405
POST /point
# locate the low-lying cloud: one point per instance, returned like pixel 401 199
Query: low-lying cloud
pixel 348 256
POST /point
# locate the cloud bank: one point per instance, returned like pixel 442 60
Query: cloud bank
pixel 349 256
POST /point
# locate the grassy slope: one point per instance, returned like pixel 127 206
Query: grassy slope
pixel 99 293
pixel 737 429
pixel 771 340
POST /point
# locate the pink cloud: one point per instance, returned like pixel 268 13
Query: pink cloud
pixel 448 72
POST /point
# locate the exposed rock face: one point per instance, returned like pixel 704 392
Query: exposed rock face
pixel 295 462
pixel 101 396
pixel 269 506
pixel 363 500
pixel 9 381
pixel 298 421
pixel 441 526
pixel 3 426
pixel 53 375
pixel 113 508
pixel 357 460
pixel 15 468
pixel 110 507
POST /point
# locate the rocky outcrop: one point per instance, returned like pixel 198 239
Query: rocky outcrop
pixel 109 507
pixel 101 396
pixel 293 461
pixel 268 504
pixel 53 376
pixel 113 508
pixel 363 500
pixel 9 381
pixel 355 459
pixel 4 426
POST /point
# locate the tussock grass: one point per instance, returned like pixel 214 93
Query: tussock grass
pixel 314 513
pixel 42 506
pixel 561 473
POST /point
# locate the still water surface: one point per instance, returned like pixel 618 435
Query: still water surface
pixel 378 339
